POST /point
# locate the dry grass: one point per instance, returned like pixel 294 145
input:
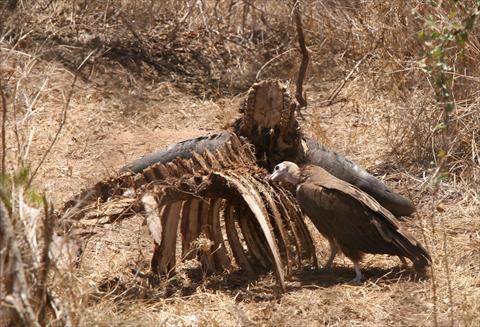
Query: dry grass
pixel 158 72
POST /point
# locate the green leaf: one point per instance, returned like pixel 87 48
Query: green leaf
pixel 434 35
pixel 461 38
pixel 470 21
pixel 441 153
pixel 443 176
pixel 436 53
pixel 421 35
pixel 452 14
pixel 449 106
pixel 424 67
pixel 34 197
pixel 440 127
pixel 22 176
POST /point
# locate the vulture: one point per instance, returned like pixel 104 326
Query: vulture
pixel 351 220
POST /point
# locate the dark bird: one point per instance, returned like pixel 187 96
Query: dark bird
pixel 350 219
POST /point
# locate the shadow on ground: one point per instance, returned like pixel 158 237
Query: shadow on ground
pixel 243 286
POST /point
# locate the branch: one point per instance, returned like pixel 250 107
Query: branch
pixel 57 134
pixel 48 223
pixel 20 296
pixel 337 90
pixel 64 116
pixel 257 77
pixel 305 58
pixel 4 121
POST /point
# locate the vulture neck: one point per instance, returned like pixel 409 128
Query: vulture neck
pixel 293 175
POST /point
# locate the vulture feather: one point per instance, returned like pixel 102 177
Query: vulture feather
pixel 349 218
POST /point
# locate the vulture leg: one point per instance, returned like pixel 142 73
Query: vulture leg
pixel 404 261
pixel 358 273
pixel 333 253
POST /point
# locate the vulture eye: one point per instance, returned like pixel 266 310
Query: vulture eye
pixel 277 168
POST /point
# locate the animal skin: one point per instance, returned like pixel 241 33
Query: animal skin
pixel 350 219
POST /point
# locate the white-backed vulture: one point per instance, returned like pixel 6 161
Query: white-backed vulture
pixel 350 219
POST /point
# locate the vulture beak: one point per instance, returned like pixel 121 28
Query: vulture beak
pixel 281 173
pixel 274 176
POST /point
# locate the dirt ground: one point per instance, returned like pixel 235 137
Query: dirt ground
pixel 116 115
pixel 102 134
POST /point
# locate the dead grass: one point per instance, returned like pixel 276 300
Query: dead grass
pixel 181 76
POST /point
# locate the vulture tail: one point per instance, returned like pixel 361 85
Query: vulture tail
pixel 414 251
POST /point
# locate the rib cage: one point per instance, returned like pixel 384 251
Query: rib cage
pixel 221 197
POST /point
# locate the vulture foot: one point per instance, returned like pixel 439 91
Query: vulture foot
pixel 358 274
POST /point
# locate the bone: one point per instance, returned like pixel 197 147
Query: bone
pixel 235 244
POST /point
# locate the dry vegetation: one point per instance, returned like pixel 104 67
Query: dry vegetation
pixel 110 80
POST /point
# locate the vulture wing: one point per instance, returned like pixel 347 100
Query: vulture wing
pixel 357 221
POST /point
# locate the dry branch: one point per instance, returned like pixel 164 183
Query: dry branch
pixel 305 57
pixel 48 225
pixel 59 130
pixel 337 90
pixel 4 121
pixel 64 118
pixel 265 65
pixel 17 286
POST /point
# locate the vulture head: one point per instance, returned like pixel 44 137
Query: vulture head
pixel 286 172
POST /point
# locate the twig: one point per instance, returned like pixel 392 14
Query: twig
pixel 432 268
pixel 261 11
pixel 31 106
pixel 189 12
pixel 48 223
pixel 148 58
pixel 4 121
pixel 60 127
pixel 435 184
pixel 60 310
pixel 305 58
pixel 337 90
pixel 270 61
pixel 436 178
pixel 201 6
pixel 15 124
pixel 134 32
pixel 21 296
pixel 448 273
pixel 257 77
pixel 64 119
